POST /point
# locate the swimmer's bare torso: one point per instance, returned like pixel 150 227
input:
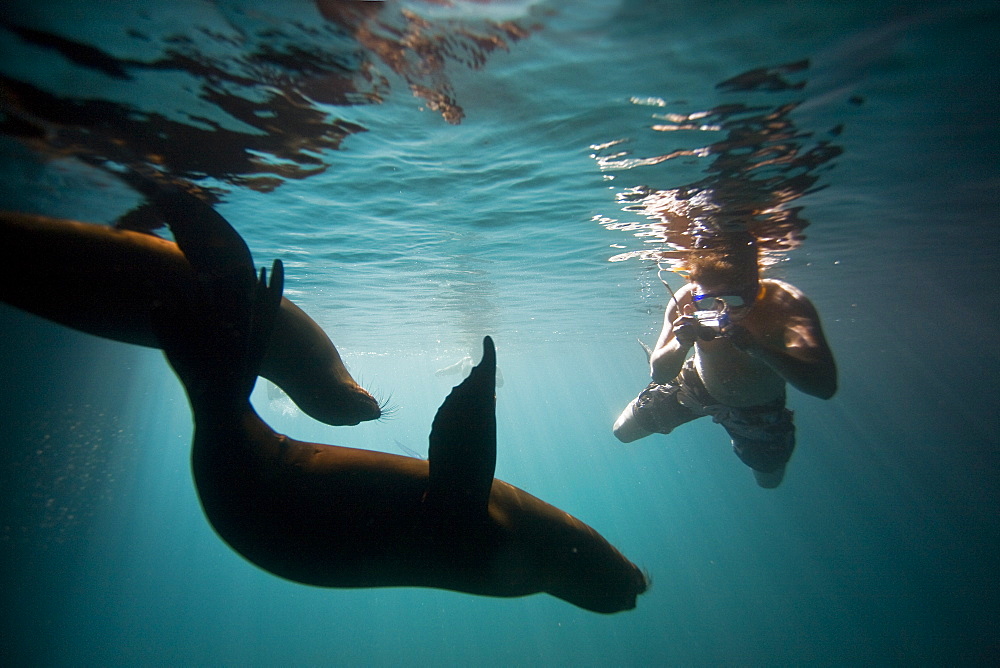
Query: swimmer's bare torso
pixel 777 340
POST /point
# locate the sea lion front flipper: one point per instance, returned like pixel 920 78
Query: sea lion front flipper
pixel 267 303
pixel 463 443
pixel 216 357
pixel 215 338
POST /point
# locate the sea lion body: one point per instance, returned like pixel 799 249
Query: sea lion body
pixel 333 516
pixel 343 517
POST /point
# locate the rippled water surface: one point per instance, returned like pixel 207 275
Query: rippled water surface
pixel 430 173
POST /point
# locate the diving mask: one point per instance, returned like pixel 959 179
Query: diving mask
pixel 718 302
pixel 712 309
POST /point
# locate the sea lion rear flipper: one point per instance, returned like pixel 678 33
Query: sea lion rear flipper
pixel 463 443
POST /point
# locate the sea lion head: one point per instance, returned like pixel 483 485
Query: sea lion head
pixel 581 567
pixel 303 362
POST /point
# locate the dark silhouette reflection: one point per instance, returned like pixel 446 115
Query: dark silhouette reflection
pixel 249 101
pixel 108 131
pixel 731 340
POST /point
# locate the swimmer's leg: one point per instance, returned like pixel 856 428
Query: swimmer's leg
pixel 655 411
pixel 771 479
pixel 627 427
pixel 764 443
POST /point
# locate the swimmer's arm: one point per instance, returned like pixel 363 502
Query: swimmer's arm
pixel 817 376
pixel 798 352
pixel 666 362
pixel 669 354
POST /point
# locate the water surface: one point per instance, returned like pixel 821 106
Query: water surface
pixel 418 208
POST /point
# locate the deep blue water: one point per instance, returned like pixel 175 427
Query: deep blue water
pixel 421 236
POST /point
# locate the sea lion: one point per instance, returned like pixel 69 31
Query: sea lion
pixel 105 281
pixel 334 516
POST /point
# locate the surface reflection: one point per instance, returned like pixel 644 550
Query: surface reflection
pixel 240 95
pixel 756 165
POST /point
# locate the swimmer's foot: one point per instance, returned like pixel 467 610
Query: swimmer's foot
pixel 769 480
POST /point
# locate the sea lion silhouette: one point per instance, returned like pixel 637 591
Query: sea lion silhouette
pixel 104 281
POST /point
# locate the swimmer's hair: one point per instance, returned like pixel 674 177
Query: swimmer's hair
pixel 732 262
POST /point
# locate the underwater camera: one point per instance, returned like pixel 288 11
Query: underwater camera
pixel 715 320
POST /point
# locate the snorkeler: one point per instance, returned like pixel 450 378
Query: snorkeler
pixel 750 337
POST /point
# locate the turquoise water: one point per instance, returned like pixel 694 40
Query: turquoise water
pixel 421 236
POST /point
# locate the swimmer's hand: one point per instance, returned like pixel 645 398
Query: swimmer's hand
pixel 687 329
